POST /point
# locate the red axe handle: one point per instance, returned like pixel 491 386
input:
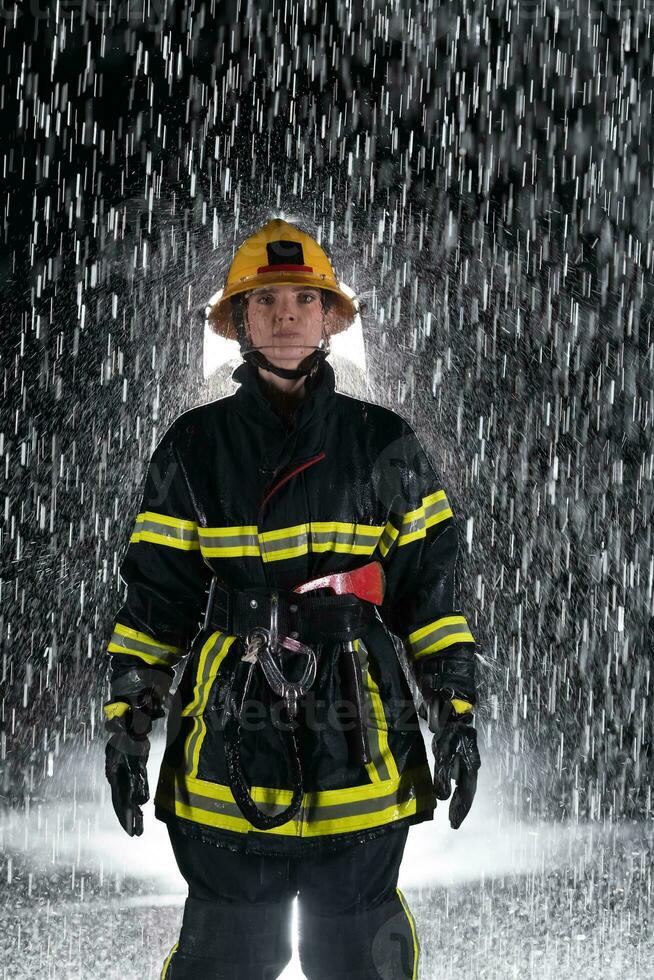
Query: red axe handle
pixel 367 583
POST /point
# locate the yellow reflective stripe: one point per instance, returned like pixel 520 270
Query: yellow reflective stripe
pixel 348 539
pixel 437 508
pixel 387 539
pixel 282 797
pixel 382 728
pixel 133 634
pixel 229 542
pixel 290 542
pixel 284 542
pixel 433 504
pixel 213 804
pixel 460 706
pixel 345 825
pixel 132 642
pixel 370 732
pixel 341 527
pixel 165 519
pixel 414 933
pixel 173 532
pixel 281 553
pixel 231 551
pixel 433 509
pixel 205 677
pixel 224 821
pixel 234 531
pixel 281 533
pixel 344 547
pixel 115 709
pixel 164 971
pixel 211 657
pixel 439 635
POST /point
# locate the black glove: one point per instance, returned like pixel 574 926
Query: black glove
pixel 447 683
pixel 128 719
pixel 456 756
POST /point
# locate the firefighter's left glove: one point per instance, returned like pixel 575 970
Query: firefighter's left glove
pixel 448 687
pixel 456 756
pixel 128 721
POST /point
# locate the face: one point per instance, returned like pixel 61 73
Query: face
pixel 286 321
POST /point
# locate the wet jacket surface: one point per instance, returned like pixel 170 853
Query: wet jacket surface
pixel 234 490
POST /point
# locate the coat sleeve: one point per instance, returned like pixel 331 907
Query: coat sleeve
pixel 165 576
pixel 419 549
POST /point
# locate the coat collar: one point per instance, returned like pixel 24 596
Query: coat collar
pixel 281 444
pixel 252 401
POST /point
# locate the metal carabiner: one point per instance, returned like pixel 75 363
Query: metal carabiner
pixel 290 691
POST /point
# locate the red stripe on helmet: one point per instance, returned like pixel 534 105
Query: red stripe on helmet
pixel 284 268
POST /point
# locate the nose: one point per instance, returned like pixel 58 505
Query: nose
pixel 285 310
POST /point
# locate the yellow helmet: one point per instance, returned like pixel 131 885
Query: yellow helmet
pixel 279 254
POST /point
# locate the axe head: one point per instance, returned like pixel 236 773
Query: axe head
pixel 367 583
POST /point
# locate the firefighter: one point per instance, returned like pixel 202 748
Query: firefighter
pixel 287 533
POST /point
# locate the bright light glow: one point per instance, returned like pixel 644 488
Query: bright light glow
pixel 217 352
pixel 294 970
pixel 350 346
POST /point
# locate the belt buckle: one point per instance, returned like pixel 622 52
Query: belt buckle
pixel 260 637
pixel 210 610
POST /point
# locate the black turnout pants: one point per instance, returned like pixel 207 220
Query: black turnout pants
pixel 354 923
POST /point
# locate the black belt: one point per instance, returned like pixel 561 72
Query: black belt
pixel 308 618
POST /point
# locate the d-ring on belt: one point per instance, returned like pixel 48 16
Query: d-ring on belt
pixel 266 620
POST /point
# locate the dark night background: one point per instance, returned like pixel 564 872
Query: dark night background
pixel 482 175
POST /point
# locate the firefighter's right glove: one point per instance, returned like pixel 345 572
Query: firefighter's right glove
pixel 128 720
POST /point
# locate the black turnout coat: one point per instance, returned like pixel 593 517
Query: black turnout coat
pixel 234 490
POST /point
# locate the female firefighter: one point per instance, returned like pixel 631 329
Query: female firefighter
pixel 285 532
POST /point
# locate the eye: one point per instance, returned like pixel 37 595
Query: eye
pixel 310 296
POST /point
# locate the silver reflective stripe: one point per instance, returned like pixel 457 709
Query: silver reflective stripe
pixel 128 644
pixel 167 530
pixel 358 539
pixel 417 524
pixel 272 547
pixel 401 794
pixel 388 538
pixel 229 540
pixel 438 507
pixel 217 806
pixel 437 636
pixel 208 666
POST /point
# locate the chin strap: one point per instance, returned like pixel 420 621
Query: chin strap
pixel 307 367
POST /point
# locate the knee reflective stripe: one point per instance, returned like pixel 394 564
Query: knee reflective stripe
pixel 164 972
pixel 414 933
